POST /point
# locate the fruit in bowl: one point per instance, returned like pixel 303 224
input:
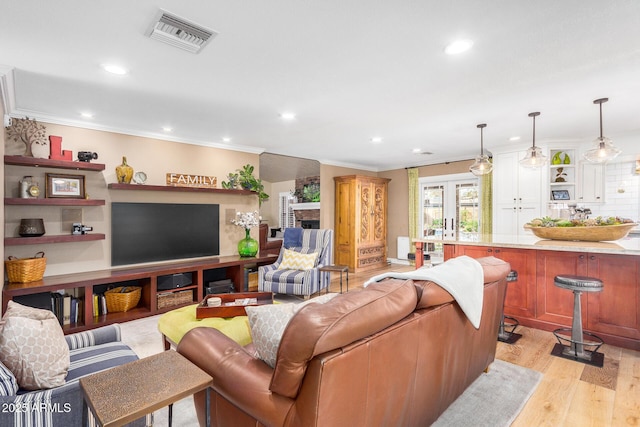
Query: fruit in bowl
pixel 592 229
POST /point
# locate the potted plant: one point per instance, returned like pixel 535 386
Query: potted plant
pixel 249 182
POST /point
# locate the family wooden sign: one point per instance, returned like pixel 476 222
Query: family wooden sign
pixel 185 180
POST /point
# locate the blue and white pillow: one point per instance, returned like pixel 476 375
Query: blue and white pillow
pixel 8 383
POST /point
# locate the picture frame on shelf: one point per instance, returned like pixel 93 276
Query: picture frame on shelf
pixel 65 186
pixel 560 195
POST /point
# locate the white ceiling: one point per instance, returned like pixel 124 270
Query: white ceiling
pixel 349 69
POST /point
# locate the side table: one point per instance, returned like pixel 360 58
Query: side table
pixel 339 269
pixel 127 392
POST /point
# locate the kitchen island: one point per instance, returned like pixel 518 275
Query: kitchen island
pixel 533 299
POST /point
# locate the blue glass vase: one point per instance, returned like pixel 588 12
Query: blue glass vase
pixel 247 247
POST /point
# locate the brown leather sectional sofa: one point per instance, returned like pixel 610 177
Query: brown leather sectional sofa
pixel 397 353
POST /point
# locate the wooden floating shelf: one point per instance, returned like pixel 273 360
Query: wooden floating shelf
pixel 142 187
pixel 53 202
pixel 55 164
pixel 63 238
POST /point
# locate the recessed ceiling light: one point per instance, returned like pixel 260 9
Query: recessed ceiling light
pixel 376 140
pixel 514 138
pixel 167 128
pixel 87 115
pixel 458 46
pixel 226 139
pixel 114 69
pixel 287 116
pixel 416 150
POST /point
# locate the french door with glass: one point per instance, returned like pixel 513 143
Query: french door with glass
pixel 450 210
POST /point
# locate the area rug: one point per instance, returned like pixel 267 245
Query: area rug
pixel 493 400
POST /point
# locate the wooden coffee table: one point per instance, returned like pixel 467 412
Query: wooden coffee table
pixel 127 392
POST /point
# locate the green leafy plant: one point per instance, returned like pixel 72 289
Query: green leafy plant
pixel 249 182
pixel 311 193
pixel 233 181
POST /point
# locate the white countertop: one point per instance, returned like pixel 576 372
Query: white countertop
pixel 629 245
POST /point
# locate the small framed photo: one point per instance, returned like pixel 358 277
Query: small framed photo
pixel 560 195
pixel 65 186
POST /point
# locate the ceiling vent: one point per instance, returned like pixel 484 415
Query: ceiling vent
pixel 176 31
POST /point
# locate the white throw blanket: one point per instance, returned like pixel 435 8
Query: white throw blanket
pixel 462 277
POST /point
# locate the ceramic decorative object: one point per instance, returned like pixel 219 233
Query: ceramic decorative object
pixel 31 227
pixel 247 247
pixel 139 178
pixel 124 172
pixel 556 160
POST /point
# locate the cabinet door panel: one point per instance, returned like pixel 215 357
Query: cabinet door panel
pixel 615 310
pixel 520 297
pixel 520 300
pixel 555 304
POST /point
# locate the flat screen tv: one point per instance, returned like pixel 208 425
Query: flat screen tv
pixel 148 232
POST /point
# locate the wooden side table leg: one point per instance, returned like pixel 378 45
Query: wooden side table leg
pixel 170 414
pixel 207 406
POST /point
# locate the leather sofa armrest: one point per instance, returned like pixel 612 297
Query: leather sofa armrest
pixel 238 375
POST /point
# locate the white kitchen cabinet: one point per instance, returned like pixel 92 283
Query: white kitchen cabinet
pixel 517 193
pixel 591 183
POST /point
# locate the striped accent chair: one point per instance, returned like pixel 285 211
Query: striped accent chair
pixel 90 352
pixel 299 282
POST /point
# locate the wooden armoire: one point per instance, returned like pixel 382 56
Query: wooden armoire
pixel 361 222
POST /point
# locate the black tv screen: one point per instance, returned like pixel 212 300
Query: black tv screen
pixel 148 232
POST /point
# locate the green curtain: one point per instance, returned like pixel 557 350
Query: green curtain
pixel 414 207
pixel 486 206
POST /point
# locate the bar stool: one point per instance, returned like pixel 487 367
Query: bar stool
pixel 506 332
pixel 575 351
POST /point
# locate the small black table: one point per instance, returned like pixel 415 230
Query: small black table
pixel 339 269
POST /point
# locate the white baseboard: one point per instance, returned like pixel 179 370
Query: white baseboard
pixel 398 261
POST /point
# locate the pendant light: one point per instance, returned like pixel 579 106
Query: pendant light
pixel 482 165
pixel 534 158
pixel 603 149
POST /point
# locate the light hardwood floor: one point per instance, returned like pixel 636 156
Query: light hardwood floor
pixel 570 393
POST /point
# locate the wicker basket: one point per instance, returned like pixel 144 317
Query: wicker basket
pixel 122 298
pixel 170 299
pixel 26 269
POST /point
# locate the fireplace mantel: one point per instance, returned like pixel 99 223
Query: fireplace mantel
pixel 305 206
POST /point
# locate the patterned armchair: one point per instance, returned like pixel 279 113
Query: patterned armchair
pixel 299 282
pixel 90 352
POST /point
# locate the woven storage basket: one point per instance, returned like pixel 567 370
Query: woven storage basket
pixel 26 269
pixel 174 298
pixel 122 301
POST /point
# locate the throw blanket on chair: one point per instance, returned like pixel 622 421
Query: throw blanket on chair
pixel 462 277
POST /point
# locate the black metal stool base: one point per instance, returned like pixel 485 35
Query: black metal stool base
pixel 595 359
pixel 575 351
pixel 506 332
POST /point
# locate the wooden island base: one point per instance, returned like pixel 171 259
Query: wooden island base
pixel 533 299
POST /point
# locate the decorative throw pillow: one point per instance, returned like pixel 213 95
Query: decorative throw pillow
pixel 292 260
pixel 268 322
pixel 33 347
pixel 8 383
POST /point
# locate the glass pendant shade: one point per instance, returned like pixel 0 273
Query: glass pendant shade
pixel 534 158
pixel 482 165
pixel 603 149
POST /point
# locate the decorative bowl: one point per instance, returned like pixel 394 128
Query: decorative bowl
pixel 597 233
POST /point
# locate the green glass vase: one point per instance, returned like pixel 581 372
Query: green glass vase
pixel 247 247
